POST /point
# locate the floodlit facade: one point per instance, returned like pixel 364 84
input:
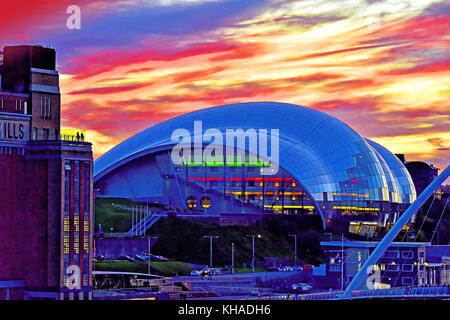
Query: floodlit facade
pixel 324 167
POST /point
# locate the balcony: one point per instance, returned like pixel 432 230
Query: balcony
pixel 56 135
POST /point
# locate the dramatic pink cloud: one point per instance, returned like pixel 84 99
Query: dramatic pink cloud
pixel 382 70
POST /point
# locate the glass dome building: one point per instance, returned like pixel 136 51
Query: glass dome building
pixel 323 167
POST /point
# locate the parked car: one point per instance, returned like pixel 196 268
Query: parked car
pixel 298 268
pixel 307 267
pixel 216 272
pixel 153 257
pixel 205 271
pixel 300 287
pixel 288 268
pixel 196 273
pixel 99 257
pixel 161 258
pixel 255 293
pixel 127 258
pixel 140 257
pixel 210 272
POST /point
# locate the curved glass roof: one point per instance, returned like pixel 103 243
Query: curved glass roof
pixel 328 157
pixel 401 180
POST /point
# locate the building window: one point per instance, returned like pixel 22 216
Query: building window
pixel 49 109
pixel 392 254
pixel 335 268
pixel 407 267
pixel 86 242
pixel 422 254
pixel 66 224
pixel 46 133
pixel 67 187
pixel 46 108
pixel 66 246
pixel 407 281
pixel 407 254
pixel 67 202
pixel 77 222
pixel 77 188
pixel 392 267
pixel 77 243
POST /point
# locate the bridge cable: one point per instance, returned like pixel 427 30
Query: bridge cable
pixel 394 231
pixel 402 240
pixel 437 225
pixel 415 240
pixel 439 221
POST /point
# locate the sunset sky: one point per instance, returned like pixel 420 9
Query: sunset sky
pixel 381 66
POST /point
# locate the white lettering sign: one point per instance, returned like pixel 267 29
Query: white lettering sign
pixel 14 130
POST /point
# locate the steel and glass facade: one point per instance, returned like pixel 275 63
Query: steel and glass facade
pixel 326 167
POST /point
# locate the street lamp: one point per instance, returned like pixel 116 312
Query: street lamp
pixel 210 248
pixel 253 248
pixel 295 248
pixel 149 255
pixel 232 257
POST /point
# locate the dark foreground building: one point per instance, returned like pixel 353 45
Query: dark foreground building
pixel 421 173
pixel 45 185
pixel 402 264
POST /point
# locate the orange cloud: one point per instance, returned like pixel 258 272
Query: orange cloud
pixel 111 89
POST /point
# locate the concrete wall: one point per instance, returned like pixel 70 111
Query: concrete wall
pixel 113 247
pixel 274 279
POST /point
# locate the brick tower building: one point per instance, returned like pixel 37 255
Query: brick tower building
pixel 45 185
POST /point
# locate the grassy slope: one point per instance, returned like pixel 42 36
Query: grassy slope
pixel 111 216
pixel 169 268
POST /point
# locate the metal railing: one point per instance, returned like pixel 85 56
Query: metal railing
pixel 430 292
pixel 51 136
